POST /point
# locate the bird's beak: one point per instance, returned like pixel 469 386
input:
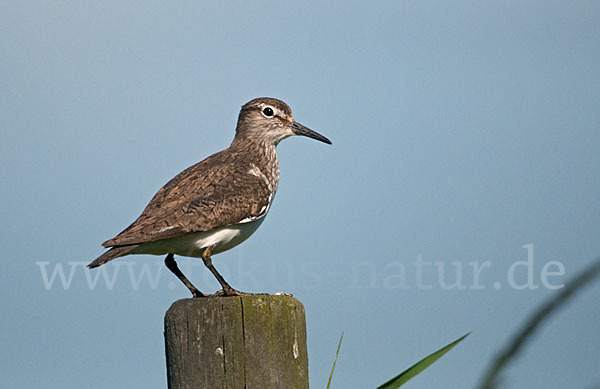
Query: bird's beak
pixel 299 129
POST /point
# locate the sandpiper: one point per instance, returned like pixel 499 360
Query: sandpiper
pixel 217 203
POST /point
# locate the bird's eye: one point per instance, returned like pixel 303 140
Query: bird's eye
pixel 268 112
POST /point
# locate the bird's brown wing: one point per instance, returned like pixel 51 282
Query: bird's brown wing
pixel 216 192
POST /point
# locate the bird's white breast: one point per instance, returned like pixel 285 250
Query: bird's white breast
pixel 192 245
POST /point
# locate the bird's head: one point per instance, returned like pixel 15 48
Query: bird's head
pixel 270 120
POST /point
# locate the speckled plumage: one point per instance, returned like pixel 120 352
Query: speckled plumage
pixel 216 192
pixel 229 188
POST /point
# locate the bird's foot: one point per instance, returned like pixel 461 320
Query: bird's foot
pixel 232 292
pixel 196 293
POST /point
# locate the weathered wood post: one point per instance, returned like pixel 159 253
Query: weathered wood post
pixel 236 342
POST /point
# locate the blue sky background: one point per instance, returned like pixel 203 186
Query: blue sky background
pixel 461 132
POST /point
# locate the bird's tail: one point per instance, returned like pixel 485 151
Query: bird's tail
pixel 111 254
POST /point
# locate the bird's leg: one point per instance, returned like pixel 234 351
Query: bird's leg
pixel 172 265
pixel 227 289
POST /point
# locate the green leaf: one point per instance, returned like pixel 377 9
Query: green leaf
pixel 418 367
pixel 335 360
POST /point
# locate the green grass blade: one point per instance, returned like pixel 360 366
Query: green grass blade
pixel 418 367
pixel 335 360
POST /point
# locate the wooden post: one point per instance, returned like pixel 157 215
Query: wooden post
pixel 236 342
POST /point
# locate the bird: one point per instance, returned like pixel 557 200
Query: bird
pixel 216 204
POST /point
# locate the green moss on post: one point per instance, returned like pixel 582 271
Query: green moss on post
pixel 236 342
